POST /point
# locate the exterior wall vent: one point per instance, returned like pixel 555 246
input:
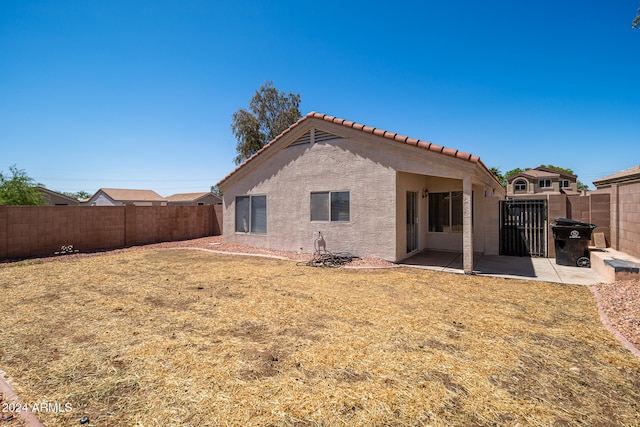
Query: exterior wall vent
pixel 321 136
pixel 304 139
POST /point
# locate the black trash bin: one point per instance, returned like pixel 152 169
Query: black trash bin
pixel 572 242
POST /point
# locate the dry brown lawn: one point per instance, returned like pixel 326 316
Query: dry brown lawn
pixel 185 337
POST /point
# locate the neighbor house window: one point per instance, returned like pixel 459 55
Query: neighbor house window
pixel 251 214
pixel 445 212
pixel 330 206
pixel 544 183
pixel 564 183
pixel 520 185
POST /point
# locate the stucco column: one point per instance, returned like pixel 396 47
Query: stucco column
pixel 467 230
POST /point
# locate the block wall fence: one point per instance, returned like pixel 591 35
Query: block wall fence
pixel 28 231
pixel 625 212
pixel 593 209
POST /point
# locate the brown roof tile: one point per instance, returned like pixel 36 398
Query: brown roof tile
pixel 187 197
pixel 126 195
pixel 534 173
pixel 436 148
pixel 368 129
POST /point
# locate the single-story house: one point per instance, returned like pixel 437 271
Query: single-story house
pixel 334 184
pixel 541 181
pixel 54 198
pixel 120 197
pixel 194 199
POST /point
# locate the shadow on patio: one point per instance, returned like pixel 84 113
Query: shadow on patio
pixel 514 267
pixel 489 265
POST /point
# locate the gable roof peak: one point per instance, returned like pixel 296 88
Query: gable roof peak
pixel 313 115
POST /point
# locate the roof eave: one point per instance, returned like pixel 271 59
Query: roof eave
pixel 450 152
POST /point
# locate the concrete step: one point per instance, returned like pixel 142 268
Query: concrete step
pixel 614 266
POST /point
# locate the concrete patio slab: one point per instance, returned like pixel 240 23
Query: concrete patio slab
pixel 524 268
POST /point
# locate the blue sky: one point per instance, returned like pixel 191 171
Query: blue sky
pixel 140 94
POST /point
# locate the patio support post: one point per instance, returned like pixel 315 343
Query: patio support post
pixel 467 230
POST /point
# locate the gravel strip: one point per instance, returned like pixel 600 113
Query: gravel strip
pixel 621 303
pixel 215 243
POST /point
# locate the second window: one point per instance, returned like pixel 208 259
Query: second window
pixel 330 206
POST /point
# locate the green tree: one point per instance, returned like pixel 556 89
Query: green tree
pixel 216 190
pixel 78 195
pixel 270 113
pixel 496 172
pixel 513 172
pixel 19 189
pixel 581 185
pixel 558 169
pixel 82 195
pixel 636 22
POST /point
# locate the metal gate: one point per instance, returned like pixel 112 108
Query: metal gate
pixel 523 228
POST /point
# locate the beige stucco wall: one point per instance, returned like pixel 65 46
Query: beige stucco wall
pixel 289 177
pixel 377 173
pixel 532 187
pixel 486 216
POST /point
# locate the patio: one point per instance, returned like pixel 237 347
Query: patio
pixel 543 269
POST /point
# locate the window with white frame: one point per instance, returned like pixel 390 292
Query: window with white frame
pixel 520 185
pixel 564 183
pixel 544 183
pixel 446 212
pixel 251 214
pixel 330 206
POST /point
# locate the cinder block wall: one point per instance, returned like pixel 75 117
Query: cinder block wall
pixel 601 214
pixel 217 221
pixel 628 219
pixel 27 231
pixel 593 209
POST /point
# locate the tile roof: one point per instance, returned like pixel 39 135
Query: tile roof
pixel 126 195
pixel 541 172
pixel 554 171
pixel 623 175
pixel 366 129
pixel 188 197
pixel 534 173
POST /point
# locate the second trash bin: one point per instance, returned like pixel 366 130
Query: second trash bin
pixel 572 242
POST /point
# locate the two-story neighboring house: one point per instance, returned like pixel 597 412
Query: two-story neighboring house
pixel 540 182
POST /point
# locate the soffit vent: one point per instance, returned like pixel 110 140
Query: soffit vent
pixel 304 139
pixel 321 136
